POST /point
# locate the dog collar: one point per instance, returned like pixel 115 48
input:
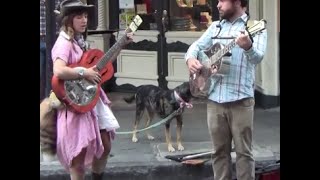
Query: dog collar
pixel 181 101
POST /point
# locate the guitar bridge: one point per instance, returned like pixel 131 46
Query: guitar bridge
pixel 80 92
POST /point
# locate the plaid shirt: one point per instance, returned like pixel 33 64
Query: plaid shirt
pixel 43 16
pixel 239 83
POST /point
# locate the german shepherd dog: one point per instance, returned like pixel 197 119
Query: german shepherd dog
pixel 157 101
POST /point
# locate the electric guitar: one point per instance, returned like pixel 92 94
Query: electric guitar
pixel 80 95
pixel 200 81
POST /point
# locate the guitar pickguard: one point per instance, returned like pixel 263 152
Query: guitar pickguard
pixel 208 59
pixel 213 49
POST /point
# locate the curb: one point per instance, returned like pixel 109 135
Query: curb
pixel 145 171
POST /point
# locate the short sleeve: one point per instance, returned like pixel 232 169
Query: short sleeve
pixel 61 49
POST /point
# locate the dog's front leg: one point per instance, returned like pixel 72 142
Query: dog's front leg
pixel 134 135
pixel 139 115
pixel 168 138
pixel 149 117
pixel 179 129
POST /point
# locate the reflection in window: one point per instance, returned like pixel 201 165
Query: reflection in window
pixel 190 15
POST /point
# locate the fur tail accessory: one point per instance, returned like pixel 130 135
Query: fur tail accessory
pixel 48 128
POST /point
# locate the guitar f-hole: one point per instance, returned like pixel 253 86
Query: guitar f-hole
pixel 104 72
pixel 91 60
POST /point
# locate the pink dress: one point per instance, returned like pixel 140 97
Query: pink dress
pixel 78 131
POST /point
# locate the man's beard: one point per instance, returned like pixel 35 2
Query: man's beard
pixel 227 14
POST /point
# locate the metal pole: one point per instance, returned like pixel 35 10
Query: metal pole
pixel 50 38
pixel 101 15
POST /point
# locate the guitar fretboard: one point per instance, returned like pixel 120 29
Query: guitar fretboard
pixel 253 30
pixel 109 55
pixel 223 51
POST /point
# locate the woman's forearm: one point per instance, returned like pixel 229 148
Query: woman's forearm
pixel 62 71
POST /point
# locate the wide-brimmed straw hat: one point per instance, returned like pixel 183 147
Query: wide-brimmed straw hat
pixel 68 6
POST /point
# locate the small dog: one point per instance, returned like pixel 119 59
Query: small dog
pixel 157 101
pixel 48 128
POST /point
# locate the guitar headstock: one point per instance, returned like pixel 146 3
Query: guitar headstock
pixel 257 26
pixel 135 24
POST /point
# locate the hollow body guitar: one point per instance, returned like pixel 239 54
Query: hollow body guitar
pixel 200 81
pixel 80 95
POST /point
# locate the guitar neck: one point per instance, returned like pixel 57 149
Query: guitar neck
pixel 254 29
pixel 217 56
pixel 109 56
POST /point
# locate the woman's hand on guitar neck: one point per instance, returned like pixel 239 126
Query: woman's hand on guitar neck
pixel 194 65
pixel 92 75
pixel 129 38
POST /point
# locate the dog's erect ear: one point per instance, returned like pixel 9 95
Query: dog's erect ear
pixel 183 86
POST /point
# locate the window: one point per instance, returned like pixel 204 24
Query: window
pixel 190 15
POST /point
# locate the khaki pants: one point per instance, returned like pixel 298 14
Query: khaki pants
pixel 227 121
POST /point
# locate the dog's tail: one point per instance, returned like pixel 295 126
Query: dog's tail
pixel 130 98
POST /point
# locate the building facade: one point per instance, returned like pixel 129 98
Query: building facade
pixel 169 27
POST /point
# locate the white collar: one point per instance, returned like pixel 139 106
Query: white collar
pixel 65 35
pixel 181 101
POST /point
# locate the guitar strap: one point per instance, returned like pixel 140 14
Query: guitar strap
pixel 218 26
pixel 247 24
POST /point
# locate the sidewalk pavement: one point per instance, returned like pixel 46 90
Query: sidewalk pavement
pixel 145 159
